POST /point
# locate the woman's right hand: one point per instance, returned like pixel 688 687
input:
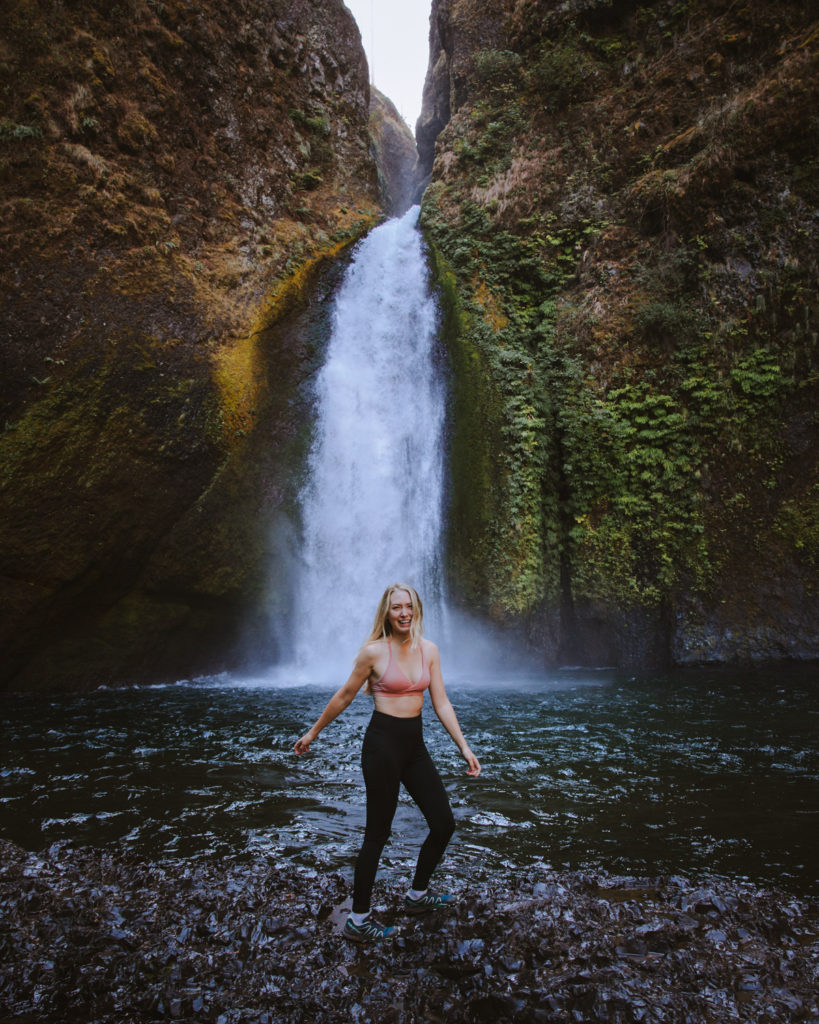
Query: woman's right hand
pixel 302 745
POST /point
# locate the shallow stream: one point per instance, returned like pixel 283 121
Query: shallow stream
pixel 711 771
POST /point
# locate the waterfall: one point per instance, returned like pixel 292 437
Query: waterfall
pixel 372 504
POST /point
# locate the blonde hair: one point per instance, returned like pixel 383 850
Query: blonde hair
pixel 382 627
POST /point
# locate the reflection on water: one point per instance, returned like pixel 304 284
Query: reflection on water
pixel 684 772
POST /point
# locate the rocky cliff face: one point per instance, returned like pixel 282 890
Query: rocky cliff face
pixel 173 177
pixel 623 212
pixel 395 154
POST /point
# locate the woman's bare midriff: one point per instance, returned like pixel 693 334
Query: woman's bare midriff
pixel 408 706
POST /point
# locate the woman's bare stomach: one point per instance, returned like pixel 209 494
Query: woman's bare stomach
pixel 408 706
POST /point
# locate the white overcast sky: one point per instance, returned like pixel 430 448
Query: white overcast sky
pixel 395 34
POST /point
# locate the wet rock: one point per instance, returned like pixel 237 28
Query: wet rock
pixel 253 942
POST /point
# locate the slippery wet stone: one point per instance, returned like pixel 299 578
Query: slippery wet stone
pixel 111 938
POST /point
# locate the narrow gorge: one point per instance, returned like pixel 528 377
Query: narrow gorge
pixel 554 359
pixel 619 204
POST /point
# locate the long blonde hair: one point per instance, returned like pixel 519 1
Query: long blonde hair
pixel 382 628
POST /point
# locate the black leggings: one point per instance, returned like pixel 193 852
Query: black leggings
pixel 394 752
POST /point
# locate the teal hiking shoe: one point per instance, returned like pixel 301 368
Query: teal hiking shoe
pixel 367 932
pixel 429 901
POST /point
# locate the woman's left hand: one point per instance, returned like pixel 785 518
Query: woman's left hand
pixel 474 768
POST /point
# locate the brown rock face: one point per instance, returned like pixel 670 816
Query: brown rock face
pixel 456 32
pixel 435 107
pixel 173 177
pixel 623 210
pixel 395 154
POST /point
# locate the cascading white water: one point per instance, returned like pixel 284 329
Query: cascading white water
pixel 372 505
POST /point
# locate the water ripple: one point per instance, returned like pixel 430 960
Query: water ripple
pixel 676 773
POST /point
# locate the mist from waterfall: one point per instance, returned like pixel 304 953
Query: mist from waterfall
pixel 372 505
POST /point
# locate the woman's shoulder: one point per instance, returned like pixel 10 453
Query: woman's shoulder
pixel 429 648
pixel 373 648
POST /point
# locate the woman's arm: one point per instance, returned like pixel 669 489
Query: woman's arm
pixel 340 699
pixel 446 713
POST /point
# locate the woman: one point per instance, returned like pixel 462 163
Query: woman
pixel 398 665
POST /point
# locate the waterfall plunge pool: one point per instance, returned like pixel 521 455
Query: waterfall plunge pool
pixel 678 773
pixel 707 771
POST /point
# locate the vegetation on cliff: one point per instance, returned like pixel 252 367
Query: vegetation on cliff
pixel 173 177
pixel 623 216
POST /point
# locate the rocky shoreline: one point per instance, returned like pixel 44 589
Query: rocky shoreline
pixel 106 936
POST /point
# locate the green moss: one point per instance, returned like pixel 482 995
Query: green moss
pixel 632 463
pixel 504 538
pixel 317 124
pixel 636 292
pixel 308 181
pixel 475 412
pixel 797 523
pixel 562 75
pixel 558 475
pixel 496 70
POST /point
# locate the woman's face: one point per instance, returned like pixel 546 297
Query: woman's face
pixel 400 613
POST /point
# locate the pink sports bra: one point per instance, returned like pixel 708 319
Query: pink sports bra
pixel 395 683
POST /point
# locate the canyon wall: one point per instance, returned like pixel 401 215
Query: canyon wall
pixel 623 216
pixel 176 179
pixel 395 155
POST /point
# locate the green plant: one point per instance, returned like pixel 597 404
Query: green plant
pixel 317 124
pixel 797 523
pixel 562 75
pixel 496 69
pixel 307 181
pixel 12 132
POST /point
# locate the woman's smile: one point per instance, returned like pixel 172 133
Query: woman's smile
pixel 400 612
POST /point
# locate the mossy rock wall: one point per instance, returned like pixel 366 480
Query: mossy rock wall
pixel 177 183
pixel 623 216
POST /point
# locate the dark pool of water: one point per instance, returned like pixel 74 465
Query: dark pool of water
pixel 689 772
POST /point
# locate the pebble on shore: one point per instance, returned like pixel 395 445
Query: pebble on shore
pixel 105 936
